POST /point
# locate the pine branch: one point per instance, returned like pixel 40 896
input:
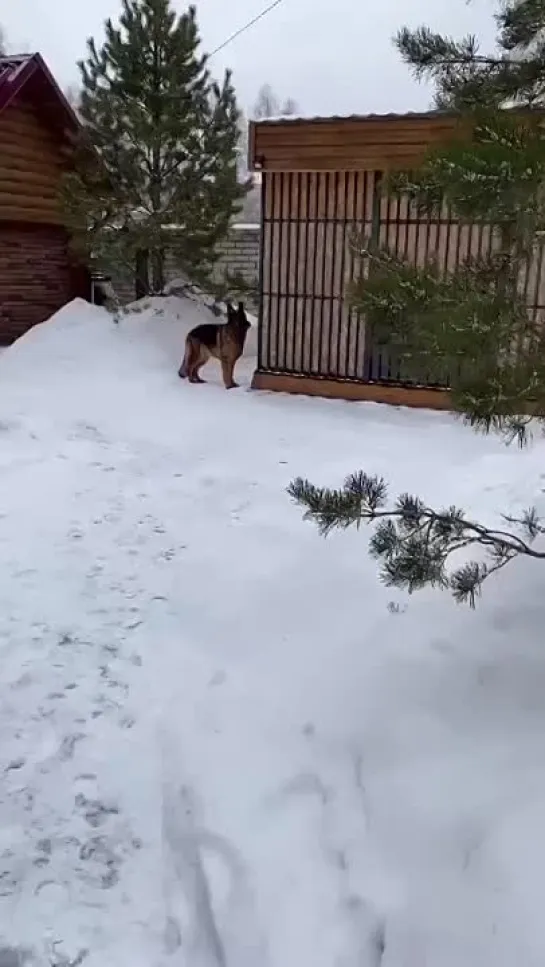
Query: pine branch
pixel 413 542
pixel 471 326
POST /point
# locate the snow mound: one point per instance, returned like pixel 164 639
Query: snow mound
pixel 87 345
pixel 224 742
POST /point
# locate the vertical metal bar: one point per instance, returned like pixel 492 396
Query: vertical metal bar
pixel 469 239
pixel 418 224
pixel 458 244
pixel 396 221
pixel 288 223
pixel 539 279
pixel 523 282
pixel 306 264
pixel 342 270
pixel 324 369
pixel 299 366
pixel 261 270
pixel 368 349
pixel 457 263
pixel 449 224
pixel 353 318
pixel 314 273
pixel 407 229
pixel 490 246
pixel 480 232
pixel 533 306
pixel 394 365
pixel 526 272
pixel 428 224
pixel 449 221
pixel 331 228
pixel 380 351
pixel 272 255
pixel 280 365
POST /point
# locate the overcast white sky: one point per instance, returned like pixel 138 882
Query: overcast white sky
pixel 332 57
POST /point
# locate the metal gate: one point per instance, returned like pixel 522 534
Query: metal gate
pixel 309 223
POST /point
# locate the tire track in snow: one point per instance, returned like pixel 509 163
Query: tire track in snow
pixel 182 839
pixel 211 918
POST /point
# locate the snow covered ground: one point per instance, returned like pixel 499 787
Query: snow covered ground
pixel 223 742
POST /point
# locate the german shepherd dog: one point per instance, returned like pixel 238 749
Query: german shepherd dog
pixel 224 341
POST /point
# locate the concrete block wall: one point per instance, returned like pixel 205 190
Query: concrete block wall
pixel 239 255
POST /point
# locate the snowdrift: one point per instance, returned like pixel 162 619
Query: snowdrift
pixel 156 325
pixel 224 742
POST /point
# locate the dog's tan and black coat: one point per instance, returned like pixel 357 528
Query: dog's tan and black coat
pixel 223 341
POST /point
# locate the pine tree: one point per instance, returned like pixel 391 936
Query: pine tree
pixel 157 164
pixel 473 324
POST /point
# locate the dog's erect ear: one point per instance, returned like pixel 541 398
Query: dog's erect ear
pixel 230 310
pixel 241 307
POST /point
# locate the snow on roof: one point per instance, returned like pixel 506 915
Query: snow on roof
pixel 433 113
pixel 321 119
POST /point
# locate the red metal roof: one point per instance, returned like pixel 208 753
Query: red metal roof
pixel 14 71
pixel 30 73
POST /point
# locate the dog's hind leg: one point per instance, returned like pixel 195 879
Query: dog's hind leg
pixel 197 368
pixel 183 371
pixel 199 357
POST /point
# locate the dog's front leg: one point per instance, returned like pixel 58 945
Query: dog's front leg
pixel 227 367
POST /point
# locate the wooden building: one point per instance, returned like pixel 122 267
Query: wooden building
pixel 321 183
pixel 37 125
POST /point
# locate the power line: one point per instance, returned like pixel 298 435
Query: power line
pixel 246 26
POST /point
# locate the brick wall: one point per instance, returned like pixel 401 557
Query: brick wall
pixel 35 277
pixel 240 253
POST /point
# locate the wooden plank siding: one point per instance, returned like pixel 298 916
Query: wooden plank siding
pixel 32 160
pixel 37 272
pixel 348 144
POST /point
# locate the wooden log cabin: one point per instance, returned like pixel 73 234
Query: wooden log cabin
pixel 37 125
pixel 321 188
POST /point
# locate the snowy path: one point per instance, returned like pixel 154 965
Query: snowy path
pixel 221 745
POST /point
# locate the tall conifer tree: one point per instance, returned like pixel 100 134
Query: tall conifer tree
pixel 157 166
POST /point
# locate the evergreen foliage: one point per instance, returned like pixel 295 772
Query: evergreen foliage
pixel 414 542
pixel 473 325
pixel 157 163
